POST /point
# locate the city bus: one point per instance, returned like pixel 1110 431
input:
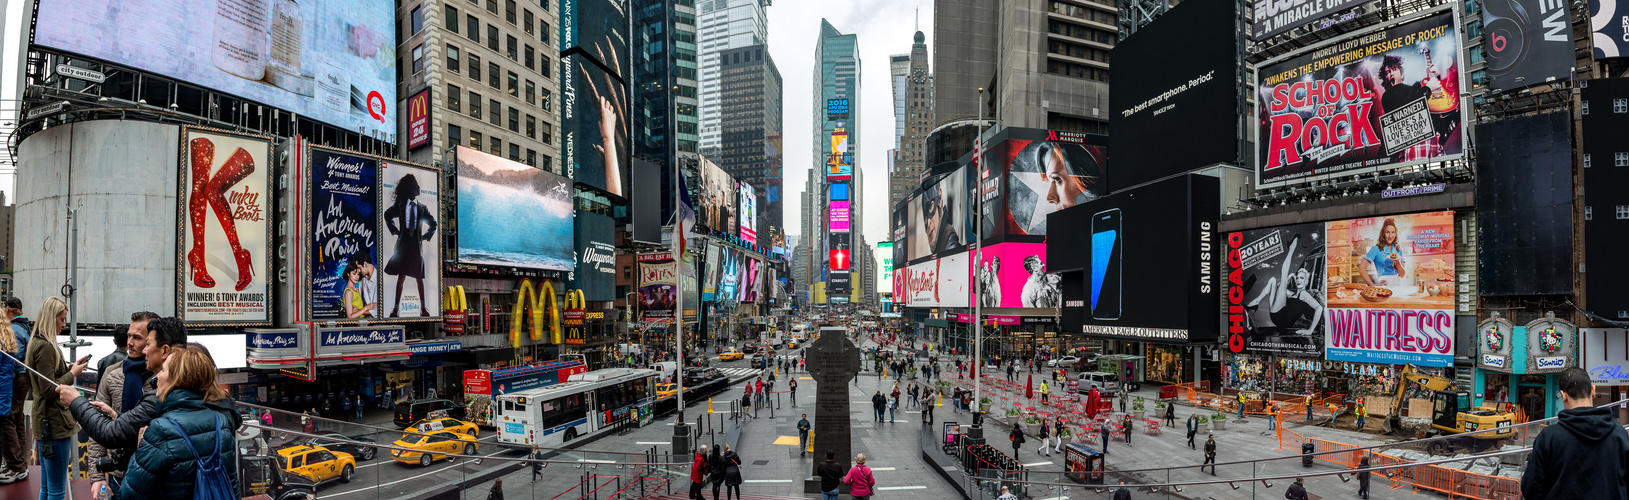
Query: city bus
pixel 585 404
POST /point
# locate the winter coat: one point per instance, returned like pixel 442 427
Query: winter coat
pixel 831 473
pixel 732 469
pixel 50 420
pixel 121 431
pixel 1210 449
pixel 1193 425
pixel 1122 494
pixel 107 392
pixel 1017 436
pixel 1296 492
pixel 715 469
pixel 698 468
pixel 10 371
pixel 859 481
pixel 21 384
pixel 1585 455
pixel 162 466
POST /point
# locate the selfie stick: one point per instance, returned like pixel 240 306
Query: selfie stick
pixel 48 380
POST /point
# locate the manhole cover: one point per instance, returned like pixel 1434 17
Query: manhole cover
pixel 760 462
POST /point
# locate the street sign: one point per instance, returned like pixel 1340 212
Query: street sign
pixel 81 73
pixel 46 110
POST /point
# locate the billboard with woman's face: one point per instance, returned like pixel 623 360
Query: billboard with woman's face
pixel 1048 176
pixel 1391 289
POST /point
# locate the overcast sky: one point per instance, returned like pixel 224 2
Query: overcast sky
pixel 884 27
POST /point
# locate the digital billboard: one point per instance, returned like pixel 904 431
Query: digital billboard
pixel 510 214
pixel 1609 27
pixel 886 251
pixel 418 119
pixel 838 215
pixel 1527 42
pixel 716 198
pixel 1045 176
pixel 840 162
pixel 940 219
pixel 1273 18
pixel 1602 190
pixel 941 282
pixel 749 214
pixel 597 28
pixel 1391 289
pixel 1525 201
pixel 224 195
pixel 329 60
pixel 838 253
pixel 658 286
pixel 1385 99
pixel 596 257
pixel 596 135
pixel 839 190
pixel 412 240
pixel 1014 275
pixel 709 281
pixel 344 235
pixel 1180 72
pixel 837 109
pixel 1278 302
pixel 1141 264
pixel 729 275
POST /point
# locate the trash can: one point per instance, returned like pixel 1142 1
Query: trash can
pixel 1306 454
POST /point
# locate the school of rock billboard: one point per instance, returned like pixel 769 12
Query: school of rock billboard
pixel 223 198
pixel 1391 289
pixel 1379 98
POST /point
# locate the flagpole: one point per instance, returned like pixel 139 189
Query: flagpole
pixel 978 259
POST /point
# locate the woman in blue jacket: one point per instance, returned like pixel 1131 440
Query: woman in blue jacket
pixel 163 465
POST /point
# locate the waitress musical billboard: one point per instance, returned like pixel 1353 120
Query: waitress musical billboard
pixel 1391 289
pixel 1379 98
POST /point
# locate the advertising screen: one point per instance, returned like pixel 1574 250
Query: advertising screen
pixel 224 194
pixel 344 237
pixel 596 257
pixel 658 286
pixel 1605 236
pixel 1280 306
pixel 1143 262
pixel 1180 72
pixel 510 214
pixel 418 119
pixel 1273 18
pixel 751 276
pixel 749 213
pixel 1014 275
pixel 729 275
pixel 596 146
pixel 598 28
pixel 940 282
pixel 1609 24
pixel 885 251
pixel 1387 98
pixel 1525 201
pixel 839 190
pixel 411 197
pixel 840 162
pixel 940 216
pixel 1391 289
pixel 838 214
pixel 716 198
pixel 1048 176
pixel 1527 42
pixel 839 252
pixel 330 60
pixel 709 280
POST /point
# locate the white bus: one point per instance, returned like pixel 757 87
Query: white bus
pixel 585 404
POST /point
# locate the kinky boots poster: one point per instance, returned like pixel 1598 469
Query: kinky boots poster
pixel 223 202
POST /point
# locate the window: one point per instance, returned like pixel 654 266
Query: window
pixel 543 65
pixel 548 98
pixel 1620 105
pixel 531 56
pixel 475 140
pixel 531 127
pixel 450 19
pixel 455 99
pixel 544 4
pixel 453 64
pixel 548 163
pixel 492 37
pixel 496 113
pixel 475 105
pixel 492 6
pixel 514 120
pixel 548 133
pixel 418 20
pixel 497 146
pixel 493 75
pixel 455 135
pixel 543 31
pixel 531 157
pixel 418 58
pixel 475 67
pixel 514 84
pixel 511 47
pixel 527 26
pixel 509 11
pixel 473 30
pixel 531 92
pixel 1620 159
pixel 1623 211
pixel 514 152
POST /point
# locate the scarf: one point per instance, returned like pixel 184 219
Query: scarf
pixel 135 375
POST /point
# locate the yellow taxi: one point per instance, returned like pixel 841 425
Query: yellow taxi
pixel 444 424
pixel 316 463
pixel 731 355
pixel 432 446
pixel 664 391
pixel 792 344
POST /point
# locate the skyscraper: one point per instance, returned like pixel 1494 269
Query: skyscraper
pixel 664 90
pixel 913 106
pixel 751 115
pixel 725 24
pixel 836 147
pixel 1040 67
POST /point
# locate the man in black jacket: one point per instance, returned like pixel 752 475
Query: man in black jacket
pixel 1298 489
pixel 803 436
pixel 1585 455
pixel 831 476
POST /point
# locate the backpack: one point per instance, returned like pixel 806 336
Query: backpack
pixel 211 481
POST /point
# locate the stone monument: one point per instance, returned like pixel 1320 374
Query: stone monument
pixel 833 362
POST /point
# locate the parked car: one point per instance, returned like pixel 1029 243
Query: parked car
pixel 1106 383
pixel 339 442
pixel 413 411
pixel 1063 362
pixel 760 360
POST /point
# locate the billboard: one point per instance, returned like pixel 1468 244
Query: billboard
pixel 1527 42
pixel 1385 99
pixel 1605 188
pixel 596 137
pixel 717 198
pixel 840 162
pixel 658 286
pixel 749 214
pixel 940 216
pixel 1609 26
pixel 1524 204
pixel 1391 289
pixel 886 251
pixel 838 190
pixel 1014 274
pixel 729 275
pixel 595 27
pixel 1180 72
pixel 344 235
pixel 411 198
pixel 1048 176
pixel 1141 264
pixel 941 282
pixel 418 119
pixel 837 109
pixel 224 197
pixel 510 214
pixel 838 215
pixel 839 252
pixel 329 60
pixel 1274 18
pixel 595 246
pixel 1278 303
pixel 709 280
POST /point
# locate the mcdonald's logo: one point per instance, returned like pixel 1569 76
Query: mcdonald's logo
pixel 418 119
pixel 454 307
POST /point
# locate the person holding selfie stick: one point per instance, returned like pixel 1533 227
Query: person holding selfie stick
pixel 53 426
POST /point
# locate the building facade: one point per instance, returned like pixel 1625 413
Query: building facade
pixel 913 107
pixel 725 24
pixel 751 113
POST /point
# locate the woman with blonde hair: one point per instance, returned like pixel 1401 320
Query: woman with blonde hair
pixel 53 426
pixel 186 435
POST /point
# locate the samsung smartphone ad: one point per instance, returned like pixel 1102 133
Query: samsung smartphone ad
pixel 1131 262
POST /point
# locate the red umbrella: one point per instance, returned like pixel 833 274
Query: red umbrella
pixel 974 372
pixel 1029 386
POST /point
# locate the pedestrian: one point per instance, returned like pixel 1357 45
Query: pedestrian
pixel 831 475
pixel 53 426
pixel 893 405
pixel 803 435
pixel 746 402
pixel 732 473
pixel 1210 454
pixel 1272 417
pixel 1012 372
pixel 1298 490
pixel 1006 494
pixel 1583 455
pixel 1017 438
pixel 1122 493
pixel 169 463
pixel 698 473
pixel 760 392
pixel 859 480
pixel 327 408
pixel 345 407
pixel 1105 434
pixel 1241 406
pixel 1130 423
pixel 1193 428
pixel 1043 392
pixel 913 392
pixel 496 493
pixel 927 408
pixel 1045 434
pixel 1363 479
pixel 536 456
pixel 1309 407
pixel 14 436
pixel 1361 414
pixel 715 470
pixel 792 385
pixel 1125 397
pixel 1170 413
pixel 878 403
pixel 358 408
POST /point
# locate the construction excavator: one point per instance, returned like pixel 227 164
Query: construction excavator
pixel 1452 413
